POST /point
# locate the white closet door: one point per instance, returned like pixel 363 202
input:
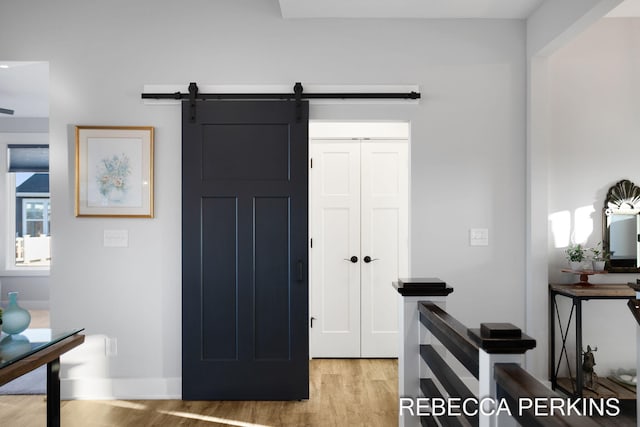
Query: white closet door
pixel 335 225
pixel 385 240
pixel 359 208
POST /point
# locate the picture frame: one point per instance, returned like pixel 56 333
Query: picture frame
pixel 114 171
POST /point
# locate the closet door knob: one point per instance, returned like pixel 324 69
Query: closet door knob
pixel 368 259
pixel 353 259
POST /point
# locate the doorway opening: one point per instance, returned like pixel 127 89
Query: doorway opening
pixel 358 226
pixel 26 229
pixel 24 112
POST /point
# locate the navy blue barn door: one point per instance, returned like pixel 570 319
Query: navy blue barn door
pixel 244 254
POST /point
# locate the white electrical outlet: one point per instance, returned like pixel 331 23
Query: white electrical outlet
pixel 479 237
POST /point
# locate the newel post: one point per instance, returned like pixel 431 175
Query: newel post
pixel 498 343
pixel 411 334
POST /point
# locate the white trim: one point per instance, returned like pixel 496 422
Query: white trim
pixel 25 272
pixel 7 215
pixel 10 222
pixel 34 195
pixel 379 130
pixel 121 388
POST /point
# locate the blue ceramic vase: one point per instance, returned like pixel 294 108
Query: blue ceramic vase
pixel 15 319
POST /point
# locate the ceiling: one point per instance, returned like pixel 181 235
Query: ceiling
pixel 24 86
pixel 433 9
pixel 626 9
pixel 429 9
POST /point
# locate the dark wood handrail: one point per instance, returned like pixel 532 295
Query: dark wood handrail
pixel 634 303
pixel 452 334
pixel 634 306
pixel 514 383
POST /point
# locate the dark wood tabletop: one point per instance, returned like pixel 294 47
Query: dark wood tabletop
pixel 614 290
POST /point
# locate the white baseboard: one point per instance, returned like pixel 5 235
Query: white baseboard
pixel 121 388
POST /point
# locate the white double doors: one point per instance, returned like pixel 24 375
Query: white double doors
pixel 359 231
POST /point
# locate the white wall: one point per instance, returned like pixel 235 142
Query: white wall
pixel 550 27
pixel 468 152
pixel 594 134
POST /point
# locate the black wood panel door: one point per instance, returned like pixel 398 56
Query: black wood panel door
pixel 244 254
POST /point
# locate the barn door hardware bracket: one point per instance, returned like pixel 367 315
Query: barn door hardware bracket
pixel 193 94
pixel 297 90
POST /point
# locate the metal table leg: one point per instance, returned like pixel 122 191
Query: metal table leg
pixel 53 393
pixel 564 335
pixel 552 339
pixel 579 376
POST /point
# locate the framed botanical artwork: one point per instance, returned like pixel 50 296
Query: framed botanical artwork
pixel 114 171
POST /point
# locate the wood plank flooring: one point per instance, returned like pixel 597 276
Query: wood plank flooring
pixel 343 392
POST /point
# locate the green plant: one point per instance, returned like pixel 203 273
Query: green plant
pixel 576 253
pixel 598 253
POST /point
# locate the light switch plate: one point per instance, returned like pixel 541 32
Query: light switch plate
pixel 479 237
pixel 116 238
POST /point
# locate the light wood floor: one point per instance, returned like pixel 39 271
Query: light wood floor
pixel 343 392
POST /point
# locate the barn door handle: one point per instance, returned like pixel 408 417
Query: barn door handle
pixel 368 259
pixel 353 259
pixel 300 271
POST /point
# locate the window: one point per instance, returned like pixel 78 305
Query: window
pixel 29 178
pixel 35 217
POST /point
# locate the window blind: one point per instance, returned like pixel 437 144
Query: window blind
pixel 28 158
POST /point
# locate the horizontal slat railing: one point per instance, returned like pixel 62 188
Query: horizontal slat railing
pixel 443 372
pixel 513 384
pixel 429 328
pixel 516 385
pixel 452 334
pixel 450 381
pixel 429 388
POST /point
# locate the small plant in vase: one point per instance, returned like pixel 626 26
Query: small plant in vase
pixel 576 255
pixel 599 257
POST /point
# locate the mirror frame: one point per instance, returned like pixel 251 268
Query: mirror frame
pixel 623 199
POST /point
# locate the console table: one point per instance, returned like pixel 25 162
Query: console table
pixel 578 293
pixel 27 351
